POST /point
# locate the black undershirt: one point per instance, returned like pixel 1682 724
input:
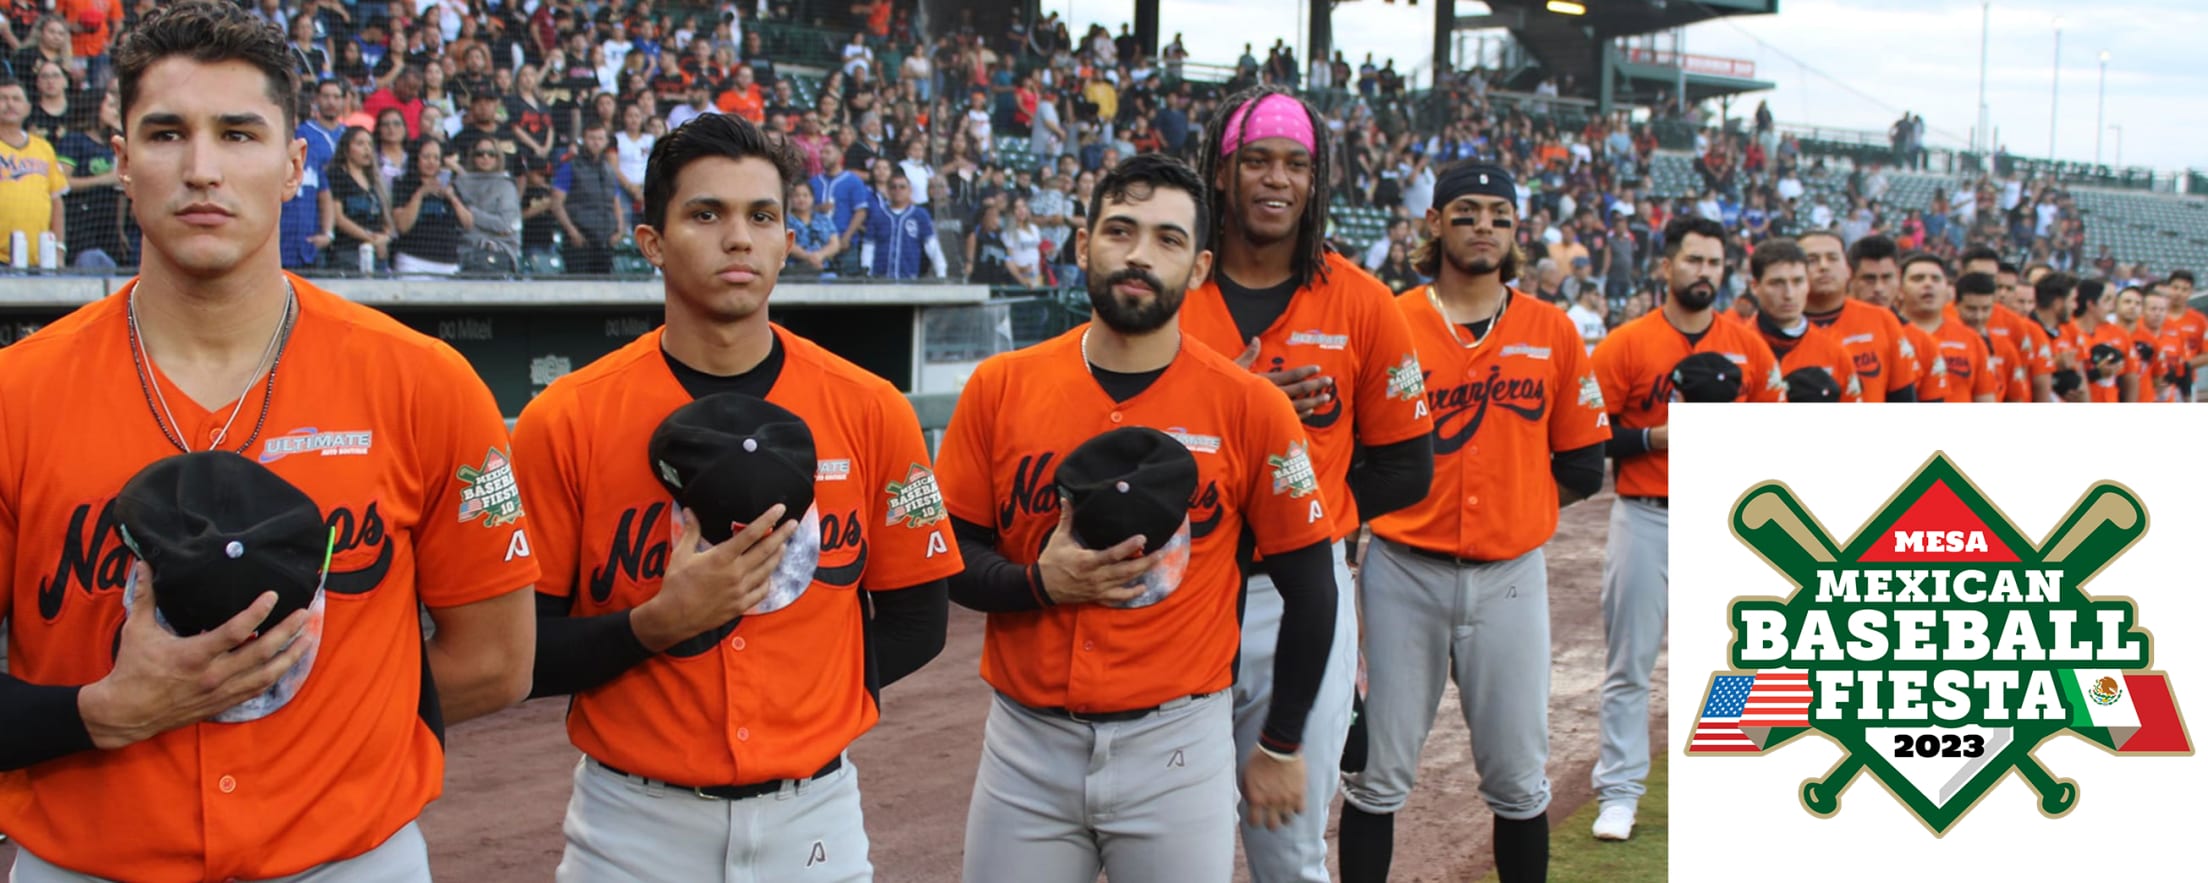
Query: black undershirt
pixel 1255 309
pixel 904 628
pixel 1123 386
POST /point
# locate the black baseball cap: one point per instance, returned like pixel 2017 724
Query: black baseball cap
pixel 1811 383
pixel 1706 377
pixel 1134 481
pixel 217 530
pixel 2107 352
pixel 729 457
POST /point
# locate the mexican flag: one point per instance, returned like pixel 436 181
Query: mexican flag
pixel 2124 711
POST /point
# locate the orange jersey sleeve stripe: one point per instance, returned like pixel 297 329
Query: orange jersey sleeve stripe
pixel 403 448
pixel 1016 420
pixel 1348 326
pixel 1500 409
pixel 786 691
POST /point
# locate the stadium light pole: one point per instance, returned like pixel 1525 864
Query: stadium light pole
pixel 1980 139
pixel 2100 110
pixel 2054 97
pixel 2119 127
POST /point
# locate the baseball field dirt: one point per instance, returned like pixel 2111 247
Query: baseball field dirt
pixel 509 774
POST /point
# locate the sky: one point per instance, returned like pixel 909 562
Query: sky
pixel 1894 55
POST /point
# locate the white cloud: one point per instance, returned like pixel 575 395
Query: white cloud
pixel 1906 54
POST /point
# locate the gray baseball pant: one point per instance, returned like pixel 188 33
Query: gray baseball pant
pixel 402 858
pixel 1487 626
pixel 619 828
pixel 1636 597
pixel 1297 850
pixel 1057 800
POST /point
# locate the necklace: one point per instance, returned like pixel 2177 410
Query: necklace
pixel 157 404
pixel 1475 342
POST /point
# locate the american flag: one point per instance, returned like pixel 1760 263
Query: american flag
pixel 1758 702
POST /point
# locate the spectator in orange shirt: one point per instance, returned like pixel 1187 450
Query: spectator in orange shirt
pixel 91 24
pixel 742 98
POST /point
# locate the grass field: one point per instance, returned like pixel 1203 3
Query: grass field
pixel 1575 856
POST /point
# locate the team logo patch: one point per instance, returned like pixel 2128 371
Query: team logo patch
pixel 1590 393
pixel 832 470
pixel 488 491
pixel 1292 473
pixel 308 440
pixel 1406 380
pixel 1527 350
pixel 1939 647
pixel 916 501
pixel 1195 443
pixel 1319 339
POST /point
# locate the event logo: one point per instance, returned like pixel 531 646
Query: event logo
pixel 1939 647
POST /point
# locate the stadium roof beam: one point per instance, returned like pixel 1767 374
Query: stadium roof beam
pixel 1583 46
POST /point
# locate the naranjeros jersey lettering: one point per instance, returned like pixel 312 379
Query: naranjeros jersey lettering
pixel 784 692
pixel 1500 408
pixel 1016 420
pixel 1884 358
pixel 1347 325
pixel 1633 368
pixel 401 445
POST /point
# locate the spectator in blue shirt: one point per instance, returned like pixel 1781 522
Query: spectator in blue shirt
pixel 817 238
pixel 302 231
pixel 900 234
pixel 846 199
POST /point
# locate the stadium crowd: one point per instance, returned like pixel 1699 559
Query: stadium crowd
pixel 450 136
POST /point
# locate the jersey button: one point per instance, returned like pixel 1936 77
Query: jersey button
pixel 736 643
pixel 1116 417
pixel 1471 501
pixel 227 784
pixel 743 734
pixel 1471 449
pixel 1088 645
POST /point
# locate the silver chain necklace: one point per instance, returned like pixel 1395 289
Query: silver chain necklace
pixel 271 356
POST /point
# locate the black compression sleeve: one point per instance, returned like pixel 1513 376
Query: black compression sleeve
pixel 905 628
pixel 43 723
pixel 1390 477
pixel 1626 442
pixel 577 653
pixel 1305 579
pixel 1579 470
pixel 1904 394
pixel 990 583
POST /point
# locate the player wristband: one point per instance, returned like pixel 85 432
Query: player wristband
pixel 1277 755
pixel 1648 442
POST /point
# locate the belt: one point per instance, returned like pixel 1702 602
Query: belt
pixel 1442 557
pixel 729 792
pixel 1113 717
pixel 1658 502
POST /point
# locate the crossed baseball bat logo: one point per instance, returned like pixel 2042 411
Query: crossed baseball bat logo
pixel 2099 527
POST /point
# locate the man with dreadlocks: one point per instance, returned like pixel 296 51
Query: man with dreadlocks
pixel 1328 334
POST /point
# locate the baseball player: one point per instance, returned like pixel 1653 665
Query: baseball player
pixel 2172 351
pixel 1640 368
pixel 1976 301
pixel 117 768
pixel 2193 327
pixel 741 672
pixel 1457 586
pixel 1328 334
pixel 2009 323
pixel 1110 741
pixel 2111 368
pixel 2053 301
pixel 1961 353
pixel 1779 275
pixel 1885 361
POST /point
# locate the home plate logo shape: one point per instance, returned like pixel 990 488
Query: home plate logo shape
pixel 1939 646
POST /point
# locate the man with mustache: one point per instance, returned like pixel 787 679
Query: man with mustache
pixel 1457 585
pixel 1329 336
pixel 1637 367
pixel 1110 741
pixel 1779 275
pixel 114 767
pixel 1885 360
pixel 685 684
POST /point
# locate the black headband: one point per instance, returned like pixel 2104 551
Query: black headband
pixel 1475 179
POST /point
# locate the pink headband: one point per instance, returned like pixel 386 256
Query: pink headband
pixel 1274 116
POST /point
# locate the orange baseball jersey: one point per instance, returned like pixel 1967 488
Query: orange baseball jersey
pixel 2005 324
pixel 1884 358
pixel 1018 417
pixel 1350 328
pixel 2109 388
pixel 1817 347
pixel 1633 369
pixel 2033 343
pixel 399 442
pixel 1968 363
pixel 2192 325
pixel 2173 355
pixel 1500 409
pixel 786 691
pixel 2004 362
pixel 1932 379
